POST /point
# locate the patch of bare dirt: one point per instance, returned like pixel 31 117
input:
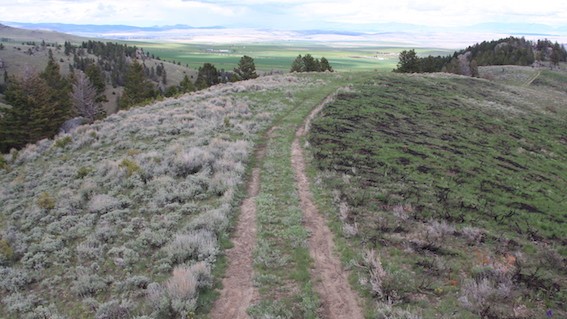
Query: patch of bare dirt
pixel 238 292
pixel 330 279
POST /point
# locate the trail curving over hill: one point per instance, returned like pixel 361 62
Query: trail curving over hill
pixel 330 279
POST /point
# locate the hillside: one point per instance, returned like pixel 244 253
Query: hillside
pixel 28 49
pixel 444 194
pixel 448 192
pixel 96 221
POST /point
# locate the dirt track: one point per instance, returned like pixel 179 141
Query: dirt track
pixel 330 279
pixel 238 293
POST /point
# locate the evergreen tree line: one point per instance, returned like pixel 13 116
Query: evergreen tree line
pixel 41 102
pixel 309 64
pixel 508 51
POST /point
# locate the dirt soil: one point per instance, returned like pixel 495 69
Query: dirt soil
pixel 338 300
pixel 238 293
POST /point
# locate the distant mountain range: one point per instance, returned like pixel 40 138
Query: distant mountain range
pixel 398 33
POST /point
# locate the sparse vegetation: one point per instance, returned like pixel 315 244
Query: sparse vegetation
pixel 130 204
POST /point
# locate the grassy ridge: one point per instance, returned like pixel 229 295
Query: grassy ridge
pixel 282 257
pixel 457 183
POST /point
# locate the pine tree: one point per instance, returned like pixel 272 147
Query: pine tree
pixel 246 68
pixel 59 109
pixel 27 120
pixel 208 76
pixel 297 65
pixel 137 88
pixel 325 65
pixel 97 79
pixel 186 85
pixel 309 63
pixel 408 63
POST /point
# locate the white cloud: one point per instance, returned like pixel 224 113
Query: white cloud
pixel 279 14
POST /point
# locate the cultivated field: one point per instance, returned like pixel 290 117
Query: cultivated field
pixel 279 56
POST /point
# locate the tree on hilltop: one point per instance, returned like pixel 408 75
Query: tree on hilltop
pixel 246 68
pixel 308 63
pixel 408 62
pixel 208 76
pixel 297 64
pixel 325 65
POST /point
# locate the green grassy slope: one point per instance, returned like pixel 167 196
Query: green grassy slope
pixel 458 185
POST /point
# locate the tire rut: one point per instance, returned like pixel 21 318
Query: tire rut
pixel 330 279
pixel 238 292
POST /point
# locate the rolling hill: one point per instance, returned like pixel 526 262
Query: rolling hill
pixel 28 49
pixel 444 193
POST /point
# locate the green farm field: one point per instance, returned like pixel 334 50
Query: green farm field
pixel 278 56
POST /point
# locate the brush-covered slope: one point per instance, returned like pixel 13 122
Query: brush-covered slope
pixel 123 218
pixel 451 192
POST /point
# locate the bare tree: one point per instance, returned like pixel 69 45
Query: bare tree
pixel 84 97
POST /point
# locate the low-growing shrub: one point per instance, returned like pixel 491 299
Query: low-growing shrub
pixel 88 284
pixel 45 201
pixel 83 171
pixel 377 275
pixel 114 310
pixel 103 203
pixel 3 163
pixel 129 166
pixel 198 245
pixel 6 252
pixel 486 298
pixel 64 141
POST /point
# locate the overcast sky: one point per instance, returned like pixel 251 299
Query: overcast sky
pixel 290 14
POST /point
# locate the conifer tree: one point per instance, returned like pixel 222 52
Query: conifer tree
pixel 186 85
pixel 325 65
pixel 408 63
pixel 97 79
pixel 309 63
pixel 27 120
pixel 137 88
pixel 246 68
pixel 208 76
pixel 297 64
pixel 59 109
